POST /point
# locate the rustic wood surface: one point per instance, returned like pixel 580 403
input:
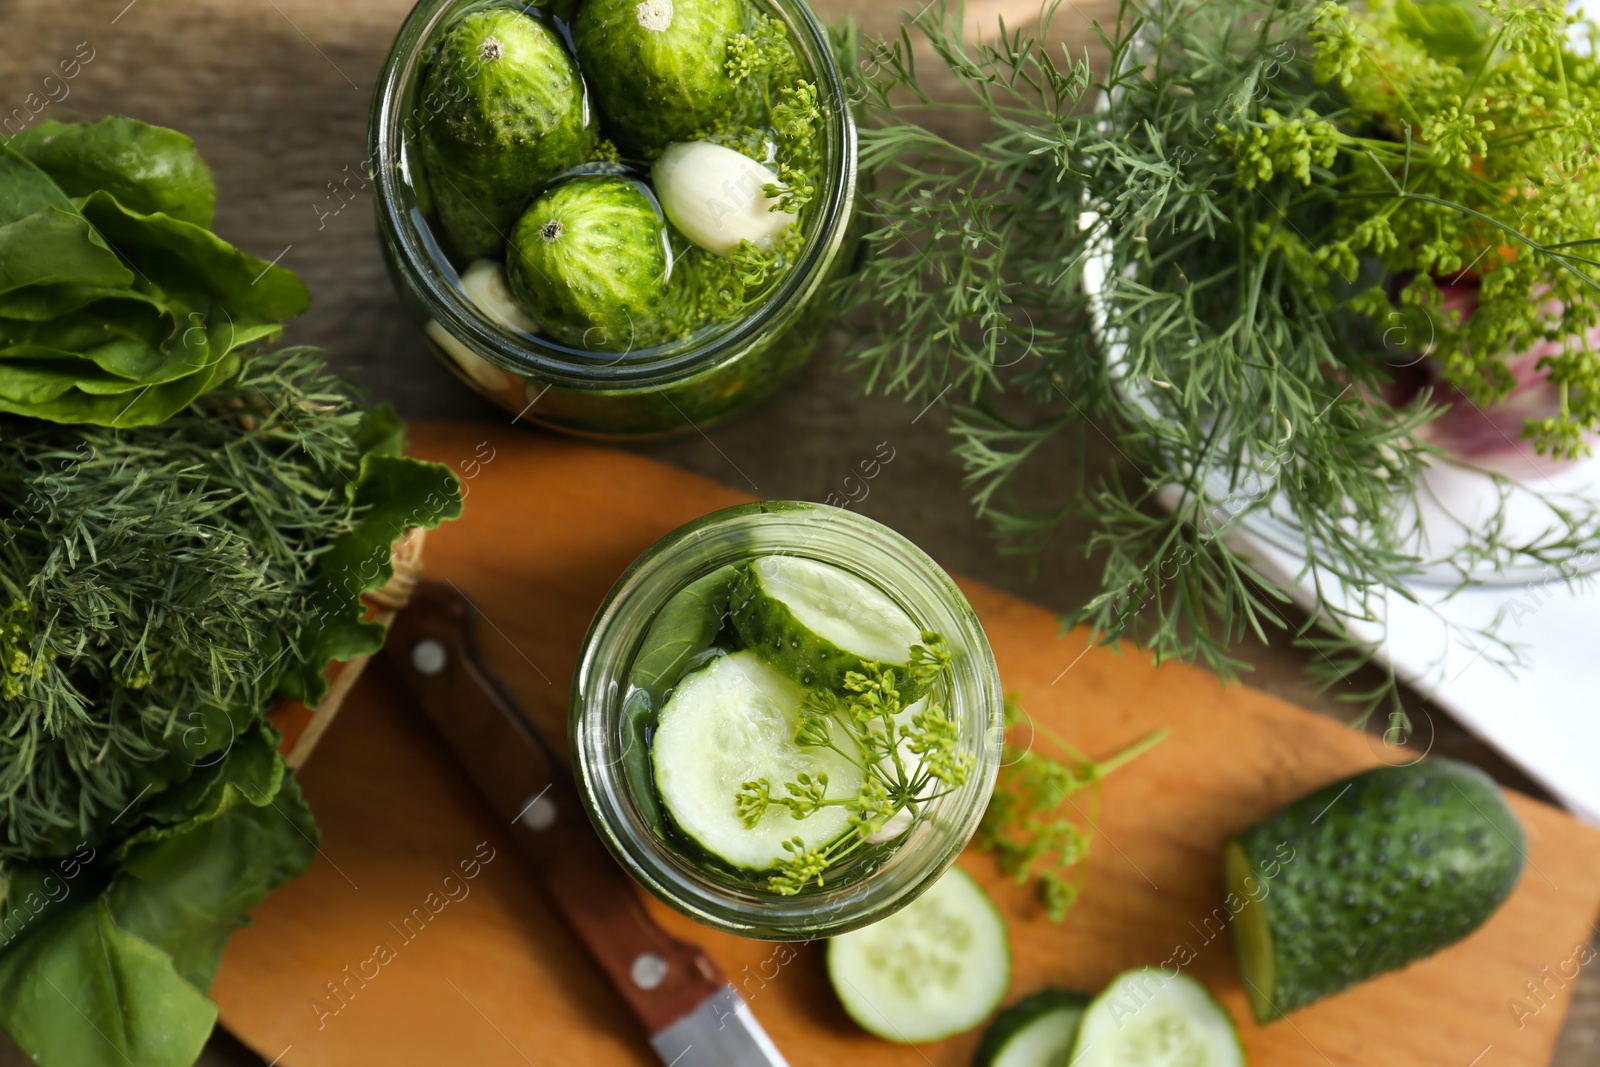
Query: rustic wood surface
pixel 276 92
pixel 494 975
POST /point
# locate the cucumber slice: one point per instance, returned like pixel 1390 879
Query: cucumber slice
pixel 1036 1031
pixel 1146 1018
pixel 937 967
pixel 1366 875
pixel 730 722
pixel 815 622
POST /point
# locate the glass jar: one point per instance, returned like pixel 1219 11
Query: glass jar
pixel 878 879
pixel 649 392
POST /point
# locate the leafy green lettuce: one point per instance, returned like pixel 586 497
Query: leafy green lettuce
pixel 118 305
pixel 120 975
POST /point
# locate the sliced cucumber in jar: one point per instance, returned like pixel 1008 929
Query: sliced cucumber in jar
pixel 937 967
pixel 816 622
pixel 1036 1031
pixel 1146 1018
pixel 734 721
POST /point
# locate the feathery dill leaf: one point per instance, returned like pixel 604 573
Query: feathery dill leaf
pixel 1210 185
pixel 157 583
pixel 1026 825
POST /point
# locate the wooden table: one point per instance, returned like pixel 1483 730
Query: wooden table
pixel 276 92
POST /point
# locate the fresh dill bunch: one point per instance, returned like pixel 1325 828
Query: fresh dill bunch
pixel 160 583
pixel 1472 157
pixel 907 759
pixel 1210 181
pixel 1026 825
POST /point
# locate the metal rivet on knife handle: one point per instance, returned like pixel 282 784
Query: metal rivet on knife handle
pixel 428 657
pixel 648 970
pixel 539 813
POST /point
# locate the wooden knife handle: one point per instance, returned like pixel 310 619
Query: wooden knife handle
pixel 433 644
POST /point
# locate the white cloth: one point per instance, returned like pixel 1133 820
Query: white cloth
pixel 1544 715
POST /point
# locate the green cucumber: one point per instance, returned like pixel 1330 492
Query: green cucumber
pixel 659 68
pixel 590 261
pixel 1036 1031
pixel 817 622
pixel 1148 1018
pixel 503 112
pixel 1367 875
pixel 734 721
pixel 937 967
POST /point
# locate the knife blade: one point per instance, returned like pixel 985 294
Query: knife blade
pixel 692 1013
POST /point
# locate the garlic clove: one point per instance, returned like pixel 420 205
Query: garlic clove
pixel 484 282
pixel 488 376
pixel 714 196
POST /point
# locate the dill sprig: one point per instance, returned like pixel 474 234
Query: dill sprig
pixel 1026 825
pixel 906 760
pixel 787 137
pixel 158 582
pixel 1225 190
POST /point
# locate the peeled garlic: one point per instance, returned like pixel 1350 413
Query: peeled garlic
pixel 486 374
pixel 485 285
pixel 714 196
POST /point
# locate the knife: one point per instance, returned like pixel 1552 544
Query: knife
pixel 694 1016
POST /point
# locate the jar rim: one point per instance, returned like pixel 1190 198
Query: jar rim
pixel 435 281
pixel 880 555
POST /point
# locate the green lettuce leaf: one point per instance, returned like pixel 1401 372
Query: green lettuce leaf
pixel 118 307
pixel 391 495
pixel 190 261
pixel 149 168
pixel 52 246
pixel 126 337
pixel 40 303
pixel 187 893
pixel 112 406
pixel 31 893
pixel 44 239
pixel 197 360
pixel 121 977
pixel 34 376
pixel 26 190
pixel 248 771
pixel 83 991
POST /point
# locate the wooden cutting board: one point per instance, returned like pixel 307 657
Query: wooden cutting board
pixel 388 952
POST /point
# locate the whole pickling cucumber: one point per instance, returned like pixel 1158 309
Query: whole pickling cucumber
pixel 659 67
pixel 503 112
pixel 589 260
pixel 1365 876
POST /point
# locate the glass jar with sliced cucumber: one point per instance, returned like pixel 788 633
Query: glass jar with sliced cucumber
pixel 615 217
pixel 786 720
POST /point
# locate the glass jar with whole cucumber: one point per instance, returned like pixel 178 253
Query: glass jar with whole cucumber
pixel 616 217
pixel 786 720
